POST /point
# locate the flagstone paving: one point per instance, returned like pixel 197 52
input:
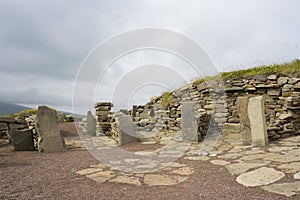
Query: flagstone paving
pixel 252 166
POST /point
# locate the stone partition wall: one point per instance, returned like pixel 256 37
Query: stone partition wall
pixel 281 98
pixel 103 125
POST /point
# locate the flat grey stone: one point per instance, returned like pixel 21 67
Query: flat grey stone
pixel 22 140
pixel 239 168
pixel 287 189
pixel 259 177
pixel 290 167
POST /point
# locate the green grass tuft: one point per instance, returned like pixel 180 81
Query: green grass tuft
pixel 166 98
pixel 284 69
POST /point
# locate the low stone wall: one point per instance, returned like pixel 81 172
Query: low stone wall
pixel 18 132
pixel 26 133
pixel 281 94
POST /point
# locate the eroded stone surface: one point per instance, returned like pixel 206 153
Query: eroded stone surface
pixel 290 167
pixel 287 189
pixel 101 176
pixel 259 177
pixel 239 168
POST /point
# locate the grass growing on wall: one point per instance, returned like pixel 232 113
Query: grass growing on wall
pixel 33 111
pixel 165 99
pixel 285 69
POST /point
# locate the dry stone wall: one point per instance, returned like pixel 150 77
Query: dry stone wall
pixel 103 125
pixel 281 98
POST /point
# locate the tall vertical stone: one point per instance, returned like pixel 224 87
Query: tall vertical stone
pixel 189 125
pixel 134 110
pixel 256 113
pixel 91 124
pixel 242 105
pixel 127 130
pixel 49 137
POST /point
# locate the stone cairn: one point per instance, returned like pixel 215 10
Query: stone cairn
pixel 103 125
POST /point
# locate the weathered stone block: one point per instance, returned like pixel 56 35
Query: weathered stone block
pixel 127 131
pixel 22 140
pixel 91 124
pixel 256 113
pixel 49 138
pixel 3 126
pixel 189 125
pixel 242 105
pixel 17 126
pixel 7 119
pixel 274 91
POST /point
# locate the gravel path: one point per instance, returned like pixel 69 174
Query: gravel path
pixel 31 175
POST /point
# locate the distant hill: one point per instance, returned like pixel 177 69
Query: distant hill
pixel 10 108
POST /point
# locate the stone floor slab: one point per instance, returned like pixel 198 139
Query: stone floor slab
pixel 259 177
pixel 239 168
pixel 287 189
pixel 290 167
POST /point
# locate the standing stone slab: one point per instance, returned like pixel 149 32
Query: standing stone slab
pixel 49 138
pixel 22 140
pixel 256 113
pixel 134 110
pixel 91 124
pixel 189 125
pixel 242 105
pixel 127 130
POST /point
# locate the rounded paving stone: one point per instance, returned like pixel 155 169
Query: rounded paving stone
pixel 259 177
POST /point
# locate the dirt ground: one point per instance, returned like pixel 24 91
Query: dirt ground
pixel 32 175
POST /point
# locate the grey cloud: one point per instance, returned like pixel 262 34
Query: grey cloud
pixel 43 43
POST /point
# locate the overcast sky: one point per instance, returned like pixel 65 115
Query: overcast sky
pixel 44 43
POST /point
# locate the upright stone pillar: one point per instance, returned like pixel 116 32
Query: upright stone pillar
pixel 91 124
pixel 127 131
pixel 256 113
pixel 242 105
pixel 189 125
pixel 49 138
pixel 134 110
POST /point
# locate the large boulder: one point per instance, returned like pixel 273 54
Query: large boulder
pixel 22 140
pixel 49 137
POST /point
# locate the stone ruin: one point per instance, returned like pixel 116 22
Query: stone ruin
pixel 262 108
pixel 29 132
